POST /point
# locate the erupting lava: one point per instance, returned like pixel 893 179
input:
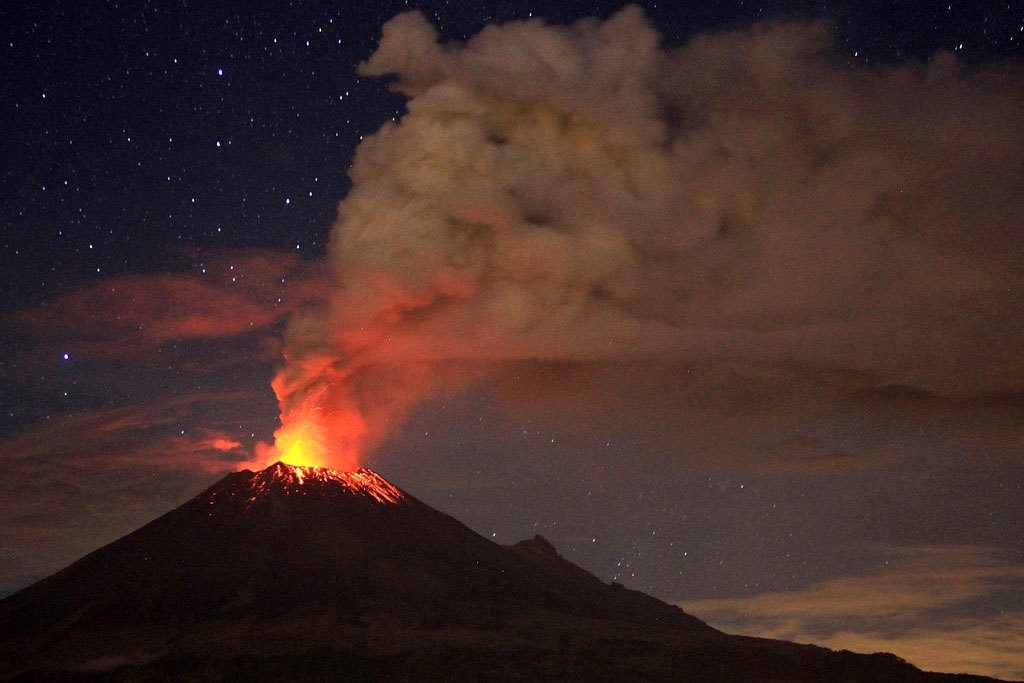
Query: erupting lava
pixel 316 434
pixel 302 441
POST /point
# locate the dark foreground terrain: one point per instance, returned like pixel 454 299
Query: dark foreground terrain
pixel 309 574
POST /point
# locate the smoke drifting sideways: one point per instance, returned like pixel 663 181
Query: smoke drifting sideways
pixel 582 195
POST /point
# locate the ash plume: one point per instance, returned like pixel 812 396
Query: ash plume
pixel 582 194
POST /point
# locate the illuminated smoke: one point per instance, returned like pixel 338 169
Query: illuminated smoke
pixel 580 194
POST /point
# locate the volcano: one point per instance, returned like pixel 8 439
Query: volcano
pixel 306 573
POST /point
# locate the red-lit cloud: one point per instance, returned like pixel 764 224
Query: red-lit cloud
pixel 224 444
pixel 159 435
pixel 126 317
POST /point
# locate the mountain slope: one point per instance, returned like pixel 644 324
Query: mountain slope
pixel 308 573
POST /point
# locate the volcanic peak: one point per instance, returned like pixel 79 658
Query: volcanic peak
pixel 295 479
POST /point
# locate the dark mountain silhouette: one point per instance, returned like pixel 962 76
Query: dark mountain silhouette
pixel 298 573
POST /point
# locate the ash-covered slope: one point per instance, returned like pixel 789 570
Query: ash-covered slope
pixel 309 573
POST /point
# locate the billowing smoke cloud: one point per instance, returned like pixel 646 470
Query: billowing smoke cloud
pixel 581 194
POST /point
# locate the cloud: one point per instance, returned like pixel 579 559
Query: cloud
pixel 941 608
pixel 156 435
pixel 234 294
pixel 582 195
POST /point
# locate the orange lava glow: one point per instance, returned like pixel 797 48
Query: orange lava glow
pixel 315 435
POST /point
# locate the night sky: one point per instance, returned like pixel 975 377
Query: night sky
pixel 725 300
